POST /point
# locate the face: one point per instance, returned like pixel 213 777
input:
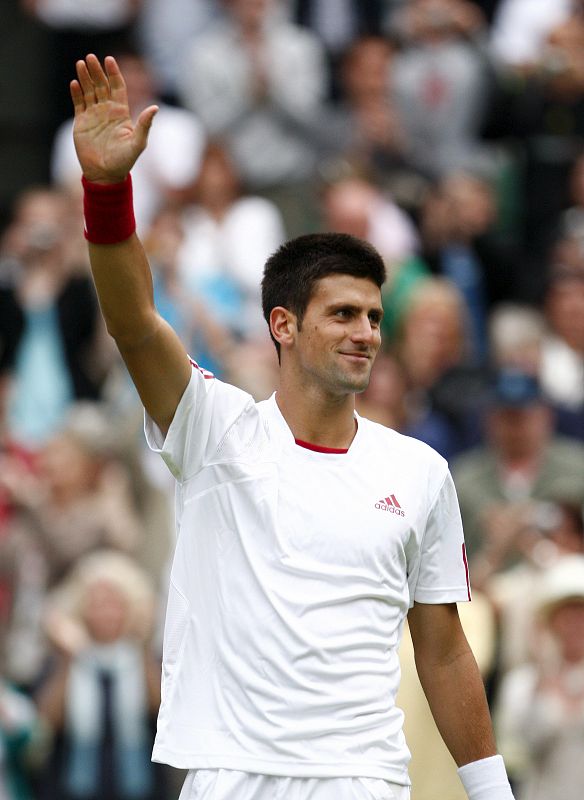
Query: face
pixel 520 432
pixel 66 468
pixel 105 612
pixel 339 336
pixel 567 624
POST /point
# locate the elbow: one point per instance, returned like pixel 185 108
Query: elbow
pixel 131 331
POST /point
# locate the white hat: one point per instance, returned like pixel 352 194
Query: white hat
pixel 562 582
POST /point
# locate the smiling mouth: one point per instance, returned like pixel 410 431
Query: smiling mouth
pixel 357 355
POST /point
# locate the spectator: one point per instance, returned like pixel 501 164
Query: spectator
pixel 103 688
pixel 521 461
pixel 79 499
pixel 354 205
pixel 174 149
pixel 227 237
pixel 50 331
pixel 339 25
pixel 77 29
pixel 365 127
pixel 541 705
pixel 516 337
pixel 562 369
pixel 258 82
pixel 545 533
pixel 431 347
pixel 543 116
pixel 441 80
pixel 165 28
pixel 459 242
pixel 176 296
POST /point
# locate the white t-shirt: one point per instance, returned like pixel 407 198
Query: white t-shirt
pixel 293 573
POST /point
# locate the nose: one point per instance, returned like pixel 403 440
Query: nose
pixel 364 331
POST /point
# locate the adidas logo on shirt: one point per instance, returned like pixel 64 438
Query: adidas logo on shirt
pixel 390 504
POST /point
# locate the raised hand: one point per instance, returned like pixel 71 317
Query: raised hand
pixel 106 141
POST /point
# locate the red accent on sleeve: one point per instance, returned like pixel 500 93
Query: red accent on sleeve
pixel 466 569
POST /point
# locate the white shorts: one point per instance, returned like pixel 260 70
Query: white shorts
pixel 227 784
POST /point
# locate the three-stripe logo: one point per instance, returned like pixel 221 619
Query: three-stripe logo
pixel 390 504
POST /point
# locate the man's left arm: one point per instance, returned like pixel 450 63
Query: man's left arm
pixel 454 689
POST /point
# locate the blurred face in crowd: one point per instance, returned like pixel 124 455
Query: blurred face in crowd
pixel 565 308
pixel 517 433
pixel 566 622
pixel 366 69
pixel 67 469
pixel 431 20
pixel 562 59
pixel 250 14
pixel 432 333
pixel 217 185
pixel 105 612
pixel 461 208
pixel 470 204
pixel 348 205
pixel 37 229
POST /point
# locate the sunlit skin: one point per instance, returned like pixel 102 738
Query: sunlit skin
pixel 328 357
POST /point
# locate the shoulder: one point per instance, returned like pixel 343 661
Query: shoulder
pixel 412 451
pixel 563 450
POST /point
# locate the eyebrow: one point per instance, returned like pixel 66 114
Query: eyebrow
pixel 354 308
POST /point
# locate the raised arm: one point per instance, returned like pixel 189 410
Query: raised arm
pixel 107 145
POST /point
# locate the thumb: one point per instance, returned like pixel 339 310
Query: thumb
pixel 143 126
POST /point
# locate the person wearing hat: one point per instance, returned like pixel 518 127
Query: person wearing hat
pixel 521 461
pixel 540 710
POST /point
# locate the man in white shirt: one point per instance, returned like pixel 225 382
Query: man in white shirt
pixel 306 534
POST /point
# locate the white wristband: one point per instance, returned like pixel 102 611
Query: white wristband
pixel 486 779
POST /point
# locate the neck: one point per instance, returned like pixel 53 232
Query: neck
pixel 319 419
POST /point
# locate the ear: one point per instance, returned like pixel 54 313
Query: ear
pixel 283 326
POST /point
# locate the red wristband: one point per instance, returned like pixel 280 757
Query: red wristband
pixel 109 211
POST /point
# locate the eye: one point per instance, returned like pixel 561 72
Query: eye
pixel 375 318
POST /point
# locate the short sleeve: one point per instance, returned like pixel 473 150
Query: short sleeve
pixel 206 411
pixel 441 576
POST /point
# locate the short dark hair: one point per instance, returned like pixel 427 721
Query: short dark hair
pixel 291 273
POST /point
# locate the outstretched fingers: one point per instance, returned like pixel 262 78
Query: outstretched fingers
pixel 86 83
pixel 98 77
pixel 116 81
pixel 77 97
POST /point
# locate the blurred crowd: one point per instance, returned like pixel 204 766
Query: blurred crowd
pixel 449 134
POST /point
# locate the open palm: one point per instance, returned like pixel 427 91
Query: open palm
pixel 106 141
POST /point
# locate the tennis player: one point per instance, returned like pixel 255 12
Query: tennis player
pixel 306 534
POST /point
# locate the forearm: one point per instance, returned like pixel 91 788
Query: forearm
pixel 457 700
pixel 124 286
